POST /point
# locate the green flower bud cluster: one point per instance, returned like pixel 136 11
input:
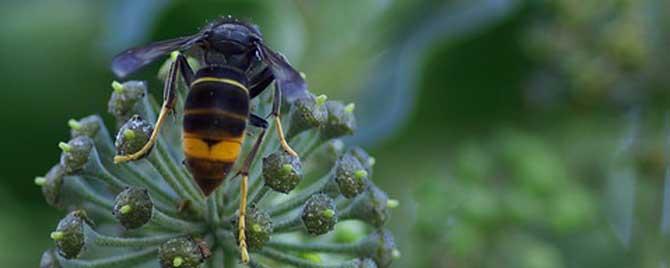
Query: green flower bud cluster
pixel 592 49
pixel 151 212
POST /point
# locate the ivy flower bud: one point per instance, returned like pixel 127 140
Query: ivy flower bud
pixel 51 185
pixel 87 126
pixel 133 207
pixel 307 113
pixel 183 252
pixel 125 97
pixel 281 171
pixel 380 247
pixel 370 207
pixel 341 120
pixel 133 135
pixel 319 214
pixel 69 234
pixel 365 263
pixel 49 260
pixel 350 175
pixel 259 228
pixel 75 153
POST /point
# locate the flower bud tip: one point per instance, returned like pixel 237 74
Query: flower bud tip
pixel 118 87
pixel 177 261
pixel 329 213
pixel 360 174
pixel 395 253
pixel 392 203
pixel 286 169
pixel 57 235
pixel 338 145
pixel 74 124
pixel 125 209
pixel 129 134
pixel 321 100
pixel 372 161
pixel 65 147
pixel 256 228
pixel 40 181
pixel 350 108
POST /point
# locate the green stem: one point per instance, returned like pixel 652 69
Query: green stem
pixel 86 192
pixel 229 259
pixel 175 224
pixel 291 224
pixel 182 178
pixel 153 185
pixel 160 165
pixel 298 262
pixel 131 259
pixel 300 198
pixel 95 169
pixel 112 241
pixel 232 190
pixel 258 195
pixel 349 248
pixel 213 211
pixel 100 213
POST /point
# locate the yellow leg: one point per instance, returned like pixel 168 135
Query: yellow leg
pixel 152 140
pixel 282 138
pixel 241 221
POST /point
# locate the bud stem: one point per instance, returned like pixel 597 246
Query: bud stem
pixel 213 211
pixel 123 260
pixel 288 225
pixel 174 224
pixel 258 196
pixel 301 197
pixel 86 192
pixel 112 241
pixel 95 169
pixel 299 262
pixel 348 248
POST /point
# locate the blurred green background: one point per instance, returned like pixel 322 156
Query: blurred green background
pixel 514 133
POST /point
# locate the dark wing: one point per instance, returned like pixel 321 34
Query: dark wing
pixel 289 81
pixel 133 59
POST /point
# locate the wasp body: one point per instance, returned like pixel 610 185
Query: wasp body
pixel 237 66
pixel 215 117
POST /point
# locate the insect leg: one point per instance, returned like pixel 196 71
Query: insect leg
pixel 276 106
pixel 241 224
pixel 178 65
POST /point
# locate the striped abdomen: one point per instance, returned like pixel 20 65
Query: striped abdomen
pixel 215 117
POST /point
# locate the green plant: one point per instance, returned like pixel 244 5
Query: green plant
pixel 150 212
